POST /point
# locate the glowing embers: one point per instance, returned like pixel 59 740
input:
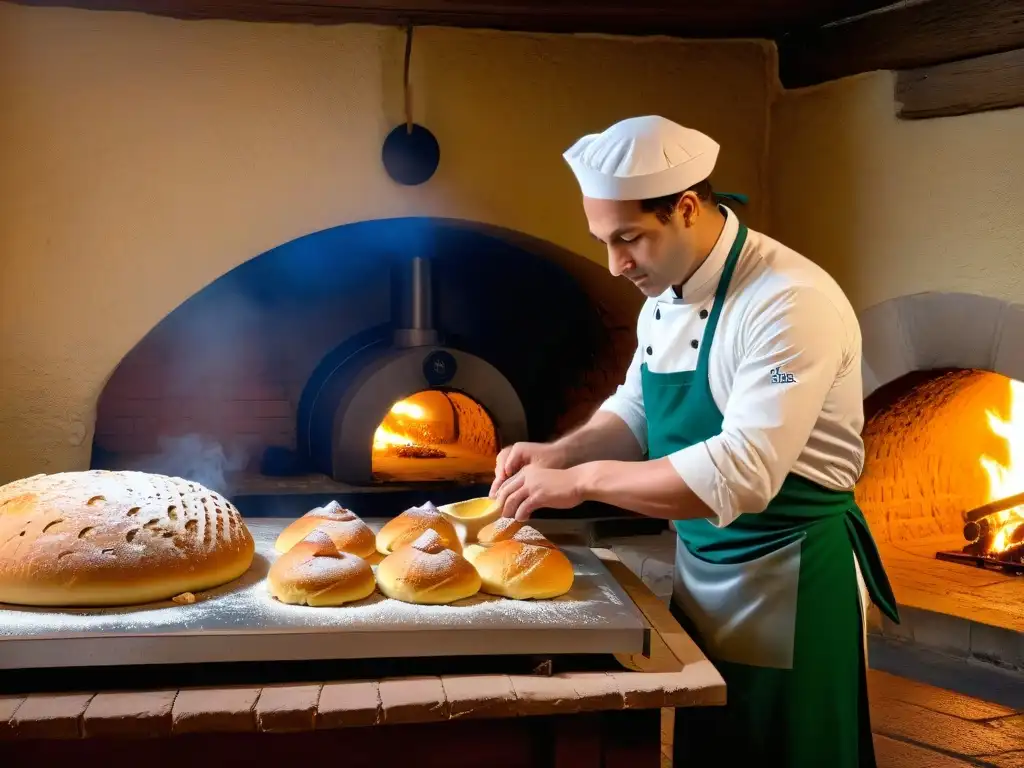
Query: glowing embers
pixel 414 427
pixel 995 530
pixel 435 435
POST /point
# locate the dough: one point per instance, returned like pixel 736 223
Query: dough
pixel 516 560
pixel 411 524
pixel 348 532
pixel 427 572
pixel 115 538
pixel 314 572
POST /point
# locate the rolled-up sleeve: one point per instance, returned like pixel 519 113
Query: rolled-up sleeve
pixel 790 353
pixel 627 402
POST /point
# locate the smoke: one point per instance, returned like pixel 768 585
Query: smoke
pixel 195 457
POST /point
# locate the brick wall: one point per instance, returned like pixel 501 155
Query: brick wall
pixel 165 388
pixel 923 467
pixel 601 380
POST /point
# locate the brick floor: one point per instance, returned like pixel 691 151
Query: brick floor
pixel 920 726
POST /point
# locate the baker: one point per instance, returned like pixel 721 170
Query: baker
pixel 739 420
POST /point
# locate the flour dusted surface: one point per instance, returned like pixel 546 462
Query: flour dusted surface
pixel 244 606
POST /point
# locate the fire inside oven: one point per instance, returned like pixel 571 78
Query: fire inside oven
pixel 434 435
pixel 995 531
pixel 995 536
pixel 944 470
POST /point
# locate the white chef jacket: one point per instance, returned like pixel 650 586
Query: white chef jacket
pixel 784 370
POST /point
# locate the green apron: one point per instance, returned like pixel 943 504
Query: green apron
pixel 772 599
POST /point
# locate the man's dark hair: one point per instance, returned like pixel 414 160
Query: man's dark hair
pixel 664 206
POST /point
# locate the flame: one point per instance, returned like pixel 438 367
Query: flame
pixel 405 414
pixel 1007 479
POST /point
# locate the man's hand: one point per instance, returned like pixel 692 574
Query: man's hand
pixel 518 455
pixel 536 487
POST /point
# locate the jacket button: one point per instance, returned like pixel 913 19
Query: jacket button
pixel 693 343
pixel 657 314
pixel 650 351
pixel 703 314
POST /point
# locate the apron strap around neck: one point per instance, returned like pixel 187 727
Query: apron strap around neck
pixel 720 293
pixel 736 196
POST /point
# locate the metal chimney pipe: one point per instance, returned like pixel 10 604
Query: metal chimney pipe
pixel 412 304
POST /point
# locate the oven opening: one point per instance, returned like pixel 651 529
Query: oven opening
pixel 432 436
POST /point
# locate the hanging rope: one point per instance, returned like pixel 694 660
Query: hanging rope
pixel 408 94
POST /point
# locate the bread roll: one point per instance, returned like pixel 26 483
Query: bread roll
pixel 314 572
pixel 520 562
pixel 427 572
pixel 505 528
pixel 115 538
pixel 348 532
pixel 404 529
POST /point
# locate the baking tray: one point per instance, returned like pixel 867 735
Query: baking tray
pixel 241 622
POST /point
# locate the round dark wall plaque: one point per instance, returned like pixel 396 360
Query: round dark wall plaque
pixel 439 368
pixel 411 158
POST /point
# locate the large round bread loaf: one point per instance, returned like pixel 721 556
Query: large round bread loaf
pixel 115 538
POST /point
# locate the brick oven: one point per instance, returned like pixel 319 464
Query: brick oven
pixel 395 355
pixel 944 472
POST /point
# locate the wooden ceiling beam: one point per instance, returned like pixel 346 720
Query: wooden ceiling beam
pixel 901 37
pixel 963 87
pixel 743 18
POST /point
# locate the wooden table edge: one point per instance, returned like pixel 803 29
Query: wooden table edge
pixel 675 674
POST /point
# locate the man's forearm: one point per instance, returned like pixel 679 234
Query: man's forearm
pixel 651 488
pixel 605 436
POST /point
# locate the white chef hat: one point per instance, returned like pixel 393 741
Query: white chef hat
pixel 640 158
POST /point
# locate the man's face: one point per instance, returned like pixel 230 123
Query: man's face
pixel 653 255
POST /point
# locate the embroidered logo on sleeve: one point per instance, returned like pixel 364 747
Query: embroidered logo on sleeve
pixel 780 377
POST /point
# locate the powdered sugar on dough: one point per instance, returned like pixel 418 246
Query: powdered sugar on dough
pixel 246 603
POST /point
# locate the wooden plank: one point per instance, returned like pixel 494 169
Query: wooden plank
pixel 882 685
pixel 478 696
pixel 287 708
pixel 904 37
pixel 412 700
pixel 8 706
pixel 349 704
pixel 221 710
pixel 939 731
pixel 899 753
pixel 538 695
pixel 1013 759
pixel 597 691
pixel 134 713
pixel 51 716
pixel 749 18
pixel 980 84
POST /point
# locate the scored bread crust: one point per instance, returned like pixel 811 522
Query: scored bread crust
pixel 517 561
pixel 505 528
pixel 348 531
pixel 404 529
pixel 100 537
pixel 315 572
pixel 427 573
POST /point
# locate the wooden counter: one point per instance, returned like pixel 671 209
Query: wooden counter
pixel 570 719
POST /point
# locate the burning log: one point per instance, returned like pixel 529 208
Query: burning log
pixel 995 536
pixel 983 522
